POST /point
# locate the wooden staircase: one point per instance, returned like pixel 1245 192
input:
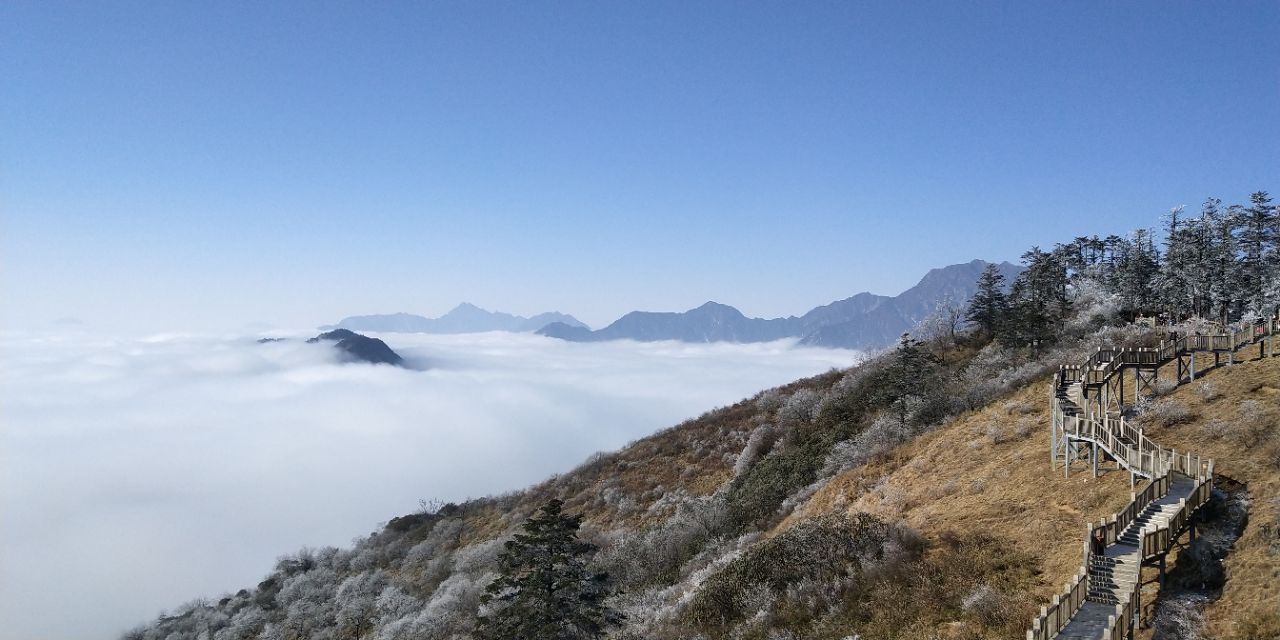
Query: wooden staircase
pixel 1103 600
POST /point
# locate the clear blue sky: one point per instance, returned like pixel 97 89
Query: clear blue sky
pixel 171 165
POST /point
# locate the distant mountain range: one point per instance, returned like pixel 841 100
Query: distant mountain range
pixel 464 318
pixel 864 321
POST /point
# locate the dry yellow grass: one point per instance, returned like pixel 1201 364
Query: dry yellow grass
pixel 1243 443
pixel 978 474
pixel 987 472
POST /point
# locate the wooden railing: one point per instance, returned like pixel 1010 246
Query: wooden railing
pixel 1140 454
pixel 1118 624
pixel 1158 541
pixel 1159 464
pixel 1106 362
pixel 1061 608
pixel 1129 446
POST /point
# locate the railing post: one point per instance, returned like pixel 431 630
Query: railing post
pixel 1054 417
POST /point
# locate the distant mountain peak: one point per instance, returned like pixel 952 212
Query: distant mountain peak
pixel 712 304
pixel 467 307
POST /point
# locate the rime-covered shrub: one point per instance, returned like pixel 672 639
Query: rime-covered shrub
pixel 853 394
pixel 1257 423
pixel 761 440
pixel 1208 391
pixel 430 561
pixel 835 551
pixel 754 497
pixel 1218 428
pixel 770 401
pixel 1167 412
pixel 799 409
pixel 655 555
pixel 654 612
pixel 986 604
pixel 394 603
pixel 247 623
pixel 308 600
pixel 356 600
pixel 884 434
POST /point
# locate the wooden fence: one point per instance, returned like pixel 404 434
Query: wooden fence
pixel 1159 541
pixel 1061 608
pixel 1129 446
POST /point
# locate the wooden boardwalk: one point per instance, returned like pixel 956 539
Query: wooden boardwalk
pixel 1103 599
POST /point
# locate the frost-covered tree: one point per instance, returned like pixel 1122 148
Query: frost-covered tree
pixel 1221 270
pixel 545 591
pixel 357 603
pixel 1174 284
pixel 1137 267
pixel 1201 248
pixel 1257 238
pixel 307 599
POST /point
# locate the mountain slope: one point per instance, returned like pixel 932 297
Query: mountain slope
pixel 1232 414
pixel 954 528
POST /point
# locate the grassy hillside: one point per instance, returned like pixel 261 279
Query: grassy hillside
pixel 1232 414
pixel 986 473
pixel 856 503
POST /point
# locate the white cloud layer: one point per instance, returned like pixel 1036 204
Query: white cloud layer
pixel 137 474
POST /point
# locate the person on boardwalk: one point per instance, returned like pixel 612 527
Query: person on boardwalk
pixel 1098 544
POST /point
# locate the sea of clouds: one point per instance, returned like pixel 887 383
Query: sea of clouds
pixel 139 473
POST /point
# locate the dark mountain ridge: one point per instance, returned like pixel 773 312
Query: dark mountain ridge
pixel 359 348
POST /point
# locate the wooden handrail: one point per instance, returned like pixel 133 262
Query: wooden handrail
pixel 1142 457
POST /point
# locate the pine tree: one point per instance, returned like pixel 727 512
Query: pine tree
pixel 1038 304
pixel 545 590
pixel 988 306
pixel 1257 239
pixel 1027 322
pixel 911 373
pixel 1137 267
pixel 1201 235
pixel 1223 268
pixel 1173 284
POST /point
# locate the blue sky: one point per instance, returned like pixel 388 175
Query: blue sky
pixel 177 166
